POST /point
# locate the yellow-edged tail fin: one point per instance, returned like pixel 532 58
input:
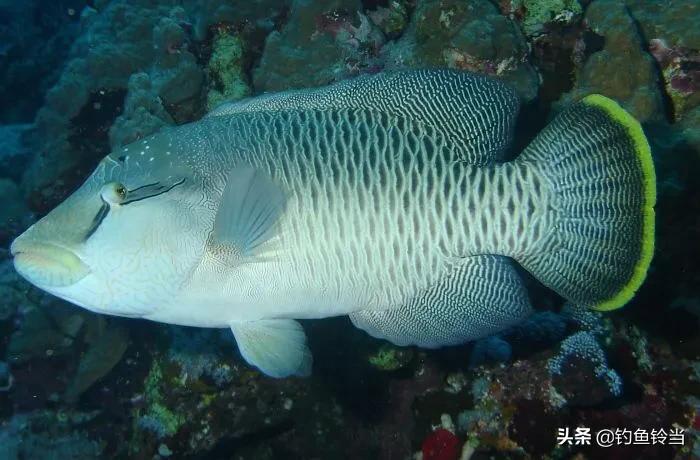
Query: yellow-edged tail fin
pixel 601 175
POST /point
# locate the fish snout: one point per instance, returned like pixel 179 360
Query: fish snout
pixel 47 264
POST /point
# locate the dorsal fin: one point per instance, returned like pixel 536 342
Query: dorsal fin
pixel 474 112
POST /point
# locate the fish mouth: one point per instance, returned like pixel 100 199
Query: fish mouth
pixel 47 264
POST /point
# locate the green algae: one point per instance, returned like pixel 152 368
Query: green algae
pixel 389 358
pixel 225 69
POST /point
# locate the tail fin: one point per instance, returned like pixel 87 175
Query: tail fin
pixel 598 164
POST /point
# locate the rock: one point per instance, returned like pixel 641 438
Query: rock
pixel 622 70
pixel 471 36
pixel 14 215
pixel 14 153
pixel 322 42
pixel 6 379
pixel 393 19
pixel 43 333
pixel 143 114
pixel 10 301
pixel 41 435
pixel 103 354
pixel 538 15
pixel 680 69
pixel 671 35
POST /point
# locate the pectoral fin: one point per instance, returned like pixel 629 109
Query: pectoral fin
pixel 245 222
pixel 275 346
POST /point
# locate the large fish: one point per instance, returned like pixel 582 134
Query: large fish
pixel 382 198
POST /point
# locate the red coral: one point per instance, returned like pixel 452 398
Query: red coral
pixel 441 444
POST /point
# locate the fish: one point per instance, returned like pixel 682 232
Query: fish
pixel 387 198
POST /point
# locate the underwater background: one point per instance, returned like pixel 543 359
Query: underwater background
pixel 79 78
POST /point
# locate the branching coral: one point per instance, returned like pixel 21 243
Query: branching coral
pixel 584 346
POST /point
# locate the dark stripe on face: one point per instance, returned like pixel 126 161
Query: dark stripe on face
pixel 148 191
pixel 101 214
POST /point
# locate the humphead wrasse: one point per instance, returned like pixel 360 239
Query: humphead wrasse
pixel 384 198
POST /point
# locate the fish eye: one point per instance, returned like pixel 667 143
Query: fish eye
pixel 113 193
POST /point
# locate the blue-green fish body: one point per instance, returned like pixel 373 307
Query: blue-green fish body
pixel 382 198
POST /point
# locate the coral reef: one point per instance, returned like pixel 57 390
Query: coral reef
pixel 577 354
pixel 322 42
pixel 672 38
pixel 622 70
pixel 44 435
pixel 471 36
pixel 226 69
pixel 539 15
pixel 126 388
pixel 35 37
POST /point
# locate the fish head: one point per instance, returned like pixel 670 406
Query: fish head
pixel 125 241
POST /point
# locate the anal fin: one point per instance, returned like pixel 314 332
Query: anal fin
pixel 275 346
pixel 479 297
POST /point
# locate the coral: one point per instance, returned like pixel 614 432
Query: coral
pixel 198 353
pixel 225 68
pixel 581 348
pixel 161 421
pixel 441 444
pixel 390 358
pixel 541 328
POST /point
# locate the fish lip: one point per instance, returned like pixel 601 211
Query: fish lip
pixel 47 264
